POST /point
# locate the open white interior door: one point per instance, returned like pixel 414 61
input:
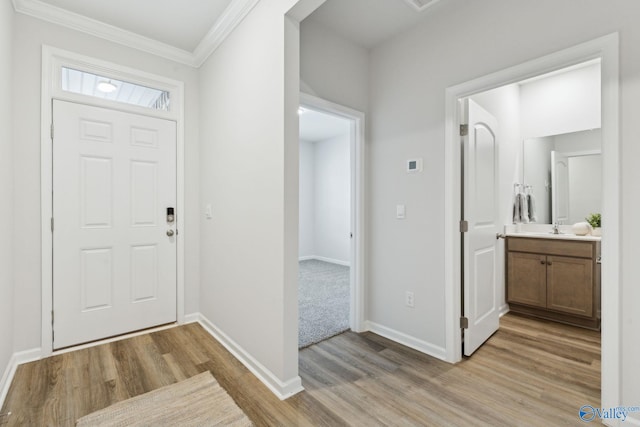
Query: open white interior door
pixel 114 239
pixel 559 188
pixel 481 211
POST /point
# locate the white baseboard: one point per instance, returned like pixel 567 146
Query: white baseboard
pixel 408 340
pixel 192 318
pixel 16 360
pixel 503 310
pixel 325 259
pixel 281 389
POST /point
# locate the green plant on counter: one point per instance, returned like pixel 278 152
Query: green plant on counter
pixel 595 220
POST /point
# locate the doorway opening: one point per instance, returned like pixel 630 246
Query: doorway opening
pixel 512 184
pixel 330 220
pixel 604 53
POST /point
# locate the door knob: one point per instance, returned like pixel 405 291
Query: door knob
pixel 170 233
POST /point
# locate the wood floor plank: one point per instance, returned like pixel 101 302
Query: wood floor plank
pixel 530 372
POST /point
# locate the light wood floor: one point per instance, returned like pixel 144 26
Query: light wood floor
pixel 529 373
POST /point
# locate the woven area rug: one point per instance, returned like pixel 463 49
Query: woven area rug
pixel 197 401
pixel 323 301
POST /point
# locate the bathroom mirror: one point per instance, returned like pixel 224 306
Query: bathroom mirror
pixel 564 173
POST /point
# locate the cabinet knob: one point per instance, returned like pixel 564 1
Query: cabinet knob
pixel 548 262
pixel 542 261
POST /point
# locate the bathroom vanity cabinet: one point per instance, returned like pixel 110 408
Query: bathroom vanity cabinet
pixel 554 279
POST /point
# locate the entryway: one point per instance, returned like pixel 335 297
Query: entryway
pixel 112 178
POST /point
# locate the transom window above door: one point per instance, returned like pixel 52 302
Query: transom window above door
pixel 84 83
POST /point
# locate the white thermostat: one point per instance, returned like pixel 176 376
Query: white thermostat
pixel 414 165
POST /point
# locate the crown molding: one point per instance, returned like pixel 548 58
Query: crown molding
pixel 224 25
pixel 420 5
pixel 228 20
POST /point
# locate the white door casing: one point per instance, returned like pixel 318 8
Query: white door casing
pixel 114 266
pixel 559 188
pixel 358 226
pixel 481 211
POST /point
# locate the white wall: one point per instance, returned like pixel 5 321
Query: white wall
pixel 408 109
pixel 333 199
pixel 333 68
pixel 6 185
pixel 585 140
pixel 29 34
pixel 307 236
pixel 249 173
pixel 561 103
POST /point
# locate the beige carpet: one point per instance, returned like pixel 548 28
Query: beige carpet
pixel 197 401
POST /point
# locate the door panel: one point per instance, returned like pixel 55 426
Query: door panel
pixel 114 266
pixel 560 188
pixel 570 285
pixel 96 278
pixel 527 279
pixel 480 206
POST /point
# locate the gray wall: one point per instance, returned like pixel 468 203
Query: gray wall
pixel 6 185
pixel 307 219
pixel 325 199
pixel 249 173
pixel 409 75
pixel 333 68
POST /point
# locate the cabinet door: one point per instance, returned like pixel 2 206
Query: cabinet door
pixel 570 285
pixel 527 279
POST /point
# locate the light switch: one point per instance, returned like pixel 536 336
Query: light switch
pixel 400 211
pixel 209 211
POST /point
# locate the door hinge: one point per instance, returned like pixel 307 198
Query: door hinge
pixel 464 130
pixel 464 323
pixel 51 131
pixel 51 317
pixel 52 225
pixel 464 226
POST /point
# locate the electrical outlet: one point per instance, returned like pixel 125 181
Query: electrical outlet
pixel 408 299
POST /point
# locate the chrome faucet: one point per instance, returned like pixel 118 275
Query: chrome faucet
pixel 556 227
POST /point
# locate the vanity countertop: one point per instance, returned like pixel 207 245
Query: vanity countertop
pixel 548 235
pixel 545 231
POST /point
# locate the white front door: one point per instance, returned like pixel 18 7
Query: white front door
pixel 481 211
pixel 114 263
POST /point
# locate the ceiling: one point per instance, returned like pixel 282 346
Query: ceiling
pixel 316 126
pixel 182 24
pixel 369 22
pixel 185 31
pixel 188 31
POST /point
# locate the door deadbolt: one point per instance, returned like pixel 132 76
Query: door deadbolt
pixel 170 215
